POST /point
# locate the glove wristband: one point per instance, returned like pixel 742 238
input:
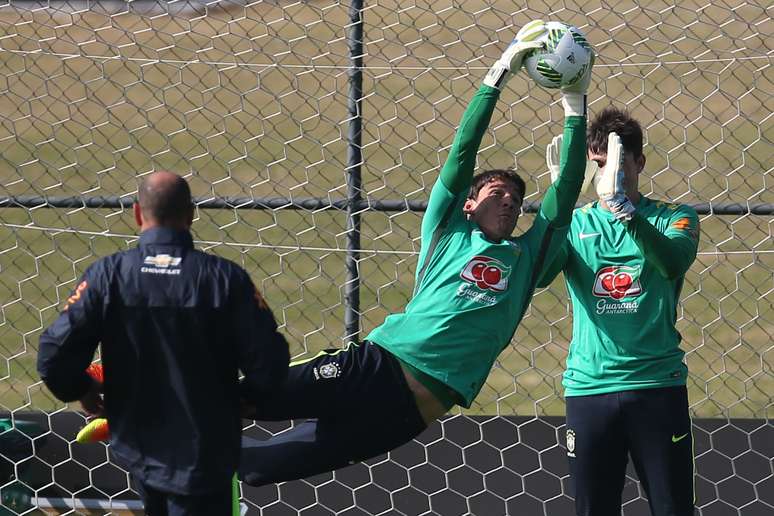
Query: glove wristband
pixel 574 104
pixel 621 207
pixel 497 76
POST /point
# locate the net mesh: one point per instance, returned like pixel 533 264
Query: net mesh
pixel 249 100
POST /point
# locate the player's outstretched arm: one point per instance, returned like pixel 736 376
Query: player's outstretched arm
pixel 457 172
pixel 553 153
pixel 561 196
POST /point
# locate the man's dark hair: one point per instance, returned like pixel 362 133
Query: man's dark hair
pixel 504 174
pixel 165 200
pixel 613 119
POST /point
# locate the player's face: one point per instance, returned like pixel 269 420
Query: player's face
pixel 496 209
pixel 632 167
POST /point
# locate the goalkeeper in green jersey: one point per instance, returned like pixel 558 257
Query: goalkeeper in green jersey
pixel 624 260
pixel 473 284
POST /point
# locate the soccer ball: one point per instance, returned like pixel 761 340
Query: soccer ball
pixel 564 59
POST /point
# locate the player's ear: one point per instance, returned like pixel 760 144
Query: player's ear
pixel 640 160
pixel 137 214
pixel 190 215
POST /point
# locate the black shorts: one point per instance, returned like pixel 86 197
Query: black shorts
pixel 359 406
pixel 651 425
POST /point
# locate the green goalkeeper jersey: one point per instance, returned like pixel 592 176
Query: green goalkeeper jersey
pixel 624 282
pixel 470 293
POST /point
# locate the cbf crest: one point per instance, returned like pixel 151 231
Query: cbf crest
pixel 570 443
pixel 327 371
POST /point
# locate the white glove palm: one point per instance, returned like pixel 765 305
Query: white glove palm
pixel 553 153
pixel 574 97
pixel 610 186
pixel 582 86
pixel 513 57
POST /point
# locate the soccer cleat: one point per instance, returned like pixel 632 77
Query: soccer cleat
pixel 97 430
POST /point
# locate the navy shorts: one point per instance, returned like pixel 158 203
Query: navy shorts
pixel 358 404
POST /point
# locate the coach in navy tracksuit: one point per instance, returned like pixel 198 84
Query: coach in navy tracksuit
pixel 175 326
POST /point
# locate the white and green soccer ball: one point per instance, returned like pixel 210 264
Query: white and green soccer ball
pixel 563 60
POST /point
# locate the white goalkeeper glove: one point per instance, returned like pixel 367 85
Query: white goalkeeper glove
pixel 610 185
pixel 553 153
pixel 574 97
pixel 511 60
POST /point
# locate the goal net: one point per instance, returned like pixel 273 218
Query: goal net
pixel 311 133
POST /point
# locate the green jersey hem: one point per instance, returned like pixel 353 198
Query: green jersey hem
pixel 677 382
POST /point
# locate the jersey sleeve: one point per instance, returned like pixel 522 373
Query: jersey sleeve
pixel 444 208
pixel 456 175
pixel 549 229
pixel 262 350
pixel 67 346
pixel 555 265
pixel 672 251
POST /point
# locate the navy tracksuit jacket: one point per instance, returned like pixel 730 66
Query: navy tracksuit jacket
pixel 175 326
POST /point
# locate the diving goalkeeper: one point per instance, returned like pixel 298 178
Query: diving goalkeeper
pixel 624 261
pixel 473 284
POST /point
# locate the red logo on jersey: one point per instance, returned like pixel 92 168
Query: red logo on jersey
pixel 617 281
pixel 487 273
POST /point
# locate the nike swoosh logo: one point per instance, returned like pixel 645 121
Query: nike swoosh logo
pixel 676 439
pixel 583 235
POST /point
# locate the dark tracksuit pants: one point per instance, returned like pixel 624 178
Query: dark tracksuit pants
pixel 651 425
pixel 159 503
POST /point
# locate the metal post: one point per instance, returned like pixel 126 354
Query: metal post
pixel 354 179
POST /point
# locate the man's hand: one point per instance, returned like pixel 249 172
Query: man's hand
pixel 511 60
pixel 553 154
pixel 610 186
pixel 92 402
pixel 574 97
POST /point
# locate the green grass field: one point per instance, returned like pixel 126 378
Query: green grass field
pixel 196 95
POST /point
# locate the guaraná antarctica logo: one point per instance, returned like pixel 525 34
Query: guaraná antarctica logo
pixel 487 273
pixel 617 281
